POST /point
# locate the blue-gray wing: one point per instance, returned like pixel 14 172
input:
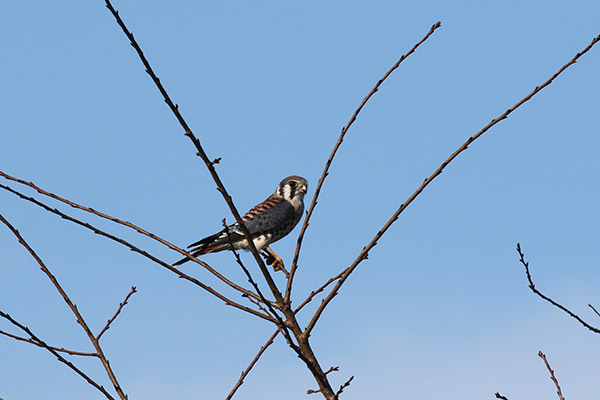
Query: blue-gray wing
pixel 267 217
pixel 275 217
pixel 271 214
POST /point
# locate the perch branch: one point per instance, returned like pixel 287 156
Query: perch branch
pixel 303 349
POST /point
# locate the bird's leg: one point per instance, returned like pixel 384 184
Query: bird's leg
pixel 274 260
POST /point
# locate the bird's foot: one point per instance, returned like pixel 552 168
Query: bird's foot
pixel 274 260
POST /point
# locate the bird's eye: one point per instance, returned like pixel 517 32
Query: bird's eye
pixel 293 184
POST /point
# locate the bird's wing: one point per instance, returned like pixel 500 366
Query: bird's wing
pixel 269 214
pixel 263 217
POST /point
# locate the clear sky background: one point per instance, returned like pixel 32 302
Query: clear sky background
pixel 440 310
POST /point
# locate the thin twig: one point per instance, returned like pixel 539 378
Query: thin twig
pixel 252 363
pixel 57 355
pixel 58 349
pixel 72 306
pixel 344 386
pixel 321 288
pixel 548 299
pixel 592 307
pixel 140 251
pixel 364 253
pixel 558 391
pixel 131 226
pixel 121 305
pixel 313 204
pixel 332 369
pixel 499 396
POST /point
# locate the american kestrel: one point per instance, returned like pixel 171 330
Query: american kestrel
pixel 267 222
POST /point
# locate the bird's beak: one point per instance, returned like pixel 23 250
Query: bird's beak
pixel 302 189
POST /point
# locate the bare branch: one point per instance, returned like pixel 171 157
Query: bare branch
pixel 313 204
pixel 344 386
pixel 200 152
pixel 56 354
pixel 271 311
pixel 73 308
pixel 548 299
pixel 303 349
pixel 131 226
pixel 252 363
pixel 272 338
pixel 558 391
pixel 58 349
pixel 592 307
pixel 321 288
pixel 332 369
pixel 140 251
pixel 121 305
pixel 499 396
pixel 364 253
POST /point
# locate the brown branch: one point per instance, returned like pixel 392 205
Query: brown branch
pixel 252 363
pixel 344 386
pixel 139 251
pixel 268 303
pixel 131 226
pixel 320 289
pixel 548 299
pixel 272 338
pixel 60 358
pixel 313 204
pixel 365 252
pixel 121 305
pixel 72 306
pixel 558 391
pixel 332 369
pixel 303 349
pixel 279 321
pixel 58 349
pixel 499 396
pixel 200 152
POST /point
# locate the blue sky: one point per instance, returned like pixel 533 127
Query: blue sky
pixel 440 309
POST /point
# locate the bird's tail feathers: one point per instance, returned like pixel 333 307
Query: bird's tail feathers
pixel 209 244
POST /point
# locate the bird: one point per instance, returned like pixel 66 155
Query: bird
pixel 266 222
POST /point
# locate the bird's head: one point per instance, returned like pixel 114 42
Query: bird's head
pixel 293 188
